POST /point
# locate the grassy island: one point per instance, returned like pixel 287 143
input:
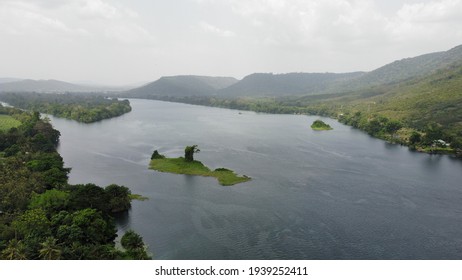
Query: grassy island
pixel 320 125
pixel 180 165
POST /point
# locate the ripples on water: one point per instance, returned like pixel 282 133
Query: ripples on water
pixel 336 194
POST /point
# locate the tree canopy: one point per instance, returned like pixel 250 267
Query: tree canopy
pixel 189 152
pixel 82 108
pixel 42 216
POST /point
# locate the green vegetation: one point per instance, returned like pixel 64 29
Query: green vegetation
pixel 8 122
pixel 320 125
pixel 81 108
pixel 180 165
pixel 189 152
pixel 134 246
pixel 156 155
pixel 138 197
pixel 41 215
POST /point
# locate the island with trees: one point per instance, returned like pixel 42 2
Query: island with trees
pixel 82 108
pixel 188 166
pixel 320 125
pixel 42 216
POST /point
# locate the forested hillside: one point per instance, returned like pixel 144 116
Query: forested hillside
pixel 402 70
pixel 82 108
pixel 431 104
pixel 267 84
pixel 41 215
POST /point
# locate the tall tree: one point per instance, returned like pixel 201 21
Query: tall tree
pixel 134 246
pixel 189 152
pixel 15 250
pixel 50 250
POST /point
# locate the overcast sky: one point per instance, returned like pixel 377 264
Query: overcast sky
pixel 127 41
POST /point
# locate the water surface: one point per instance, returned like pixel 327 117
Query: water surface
pixel 336 194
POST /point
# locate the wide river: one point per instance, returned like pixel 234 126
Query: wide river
pixel 336 194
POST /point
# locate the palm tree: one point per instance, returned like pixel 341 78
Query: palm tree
pixel 50 250
pixel 16 250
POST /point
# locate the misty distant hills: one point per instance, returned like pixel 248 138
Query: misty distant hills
pixel 267 84
pixel 181 86
pixel 262 84
pixel 258 84
pixel 9 80
pixel 298 84
pixel 46 86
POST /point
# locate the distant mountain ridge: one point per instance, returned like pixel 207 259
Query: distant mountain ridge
pixel 263 84
pixel 404 69
pixel 298 84
pixel 268 84
pixel 186 85
pixel 47 86
pixel 8 80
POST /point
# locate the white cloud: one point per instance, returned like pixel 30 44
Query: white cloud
pixel 301 22
pixel 129 34
pixel 21 18
pixel 434 11
pixel 209 28
pixel 102 10
pixel 348 25
pixel 88 18
pixel 431 23
pixel 200 36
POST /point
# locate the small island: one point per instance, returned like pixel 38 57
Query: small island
pixel 320 125
pixel 188 166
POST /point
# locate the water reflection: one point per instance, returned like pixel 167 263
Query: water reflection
pixel 122 220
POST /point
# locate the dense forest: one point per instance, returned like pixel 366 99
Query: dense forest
pixel 82 108
pixel 44 217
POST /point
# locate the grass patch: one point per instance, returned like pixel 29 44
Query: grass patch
pixel 224 176
pixel 138 197
pixel 8 122
pixel 436 150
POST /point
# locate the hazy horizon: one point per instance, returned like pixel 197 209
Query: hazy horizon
pixel 124 42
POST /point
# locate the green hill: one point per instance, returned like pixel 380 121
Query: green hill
pixel 299 84
pixel 402 70
pixel 181 86
pixel 429 105
pixel 290 84
pixel 434 98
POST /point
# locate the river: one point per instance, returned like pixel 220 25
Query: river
pixel 336 194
